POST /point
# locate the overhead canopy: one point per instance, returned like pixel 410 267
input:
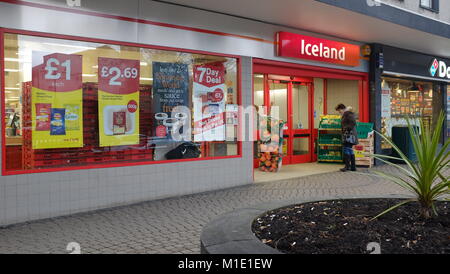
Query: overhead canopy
pixel 310 15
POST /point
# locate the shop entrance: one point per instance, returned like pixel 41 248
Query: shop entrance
pixel 291 97
pixel 303 94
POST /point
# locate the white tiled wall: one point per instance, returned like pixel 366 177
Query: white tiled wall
pixel 43 195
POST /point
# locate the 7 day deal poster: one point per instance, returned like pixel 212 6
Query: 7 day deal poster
pixel 209 102
pixel 56 101
pixel 118 101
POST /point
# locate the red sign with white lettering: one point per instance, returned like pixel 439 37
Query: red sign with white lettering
pixel 317 49
pixel 118 76
pixel 209 75
pixel 59 72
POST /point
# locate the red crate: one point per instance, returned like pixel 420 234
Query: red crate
pixel 148 156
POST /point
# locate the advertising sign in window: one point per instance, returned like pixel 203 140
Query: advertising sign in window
pixel 118 101
pixel 56 100
pixel 209 95
pixel 170 89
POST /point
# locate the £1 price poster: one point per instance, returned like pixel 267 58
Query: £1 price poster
pixel 118 101
pixel 209 93
pixel 56 101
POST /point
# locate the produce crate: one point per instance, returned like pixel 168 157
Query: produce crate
pixel 327 139
pixel 364 162
pixel 330 122
pixel 327 158
pixel 364 129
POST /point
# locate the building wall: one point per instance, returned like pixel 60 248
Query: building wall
pixel 414 6
pixel 42 195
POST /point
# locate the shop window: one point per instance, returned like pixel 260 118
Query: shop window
pixel 342 91
pixel 402 98
pixel 319 99
pixel 74 104
pixel 448 110
pixel 432 5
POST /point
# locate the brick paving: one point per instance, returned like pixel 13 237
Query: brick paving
pixel 174 225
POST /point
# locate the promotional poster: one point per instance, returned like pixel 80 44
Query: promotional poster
pixel 209 95
pixel 170 89
pixel 118 101
pixel 57 101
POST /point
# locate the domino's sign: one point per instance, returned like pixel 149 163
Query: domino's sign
pixel 440 69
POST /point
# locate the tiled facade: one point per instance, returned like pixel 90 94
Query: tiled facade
pixel 43 195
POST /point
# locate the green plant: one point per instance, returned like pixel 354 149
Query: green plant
pixel 425 178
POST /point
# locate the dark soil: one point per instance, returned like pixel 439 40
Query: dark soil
pixel 344 226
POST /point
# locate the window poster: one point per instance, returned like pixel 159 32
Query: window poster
pixel 56 101
pixel 385 101
pixel 118 101
pixel 209 95
pixel 170 89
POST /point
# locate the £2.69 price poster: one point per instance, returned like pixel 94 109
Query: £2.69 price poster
pixel 118 101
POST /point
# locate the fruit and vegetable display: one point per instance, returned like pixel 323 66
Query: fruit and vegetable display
pixel 330 121
pixel 330 139
pixel 270 144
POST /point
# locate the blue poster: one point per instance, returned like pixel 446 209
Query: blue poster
pixel 170 86
pixel 170 89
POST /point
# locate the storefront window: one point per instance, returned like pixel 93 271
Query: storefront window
pixel 71 104
pixel 448 110
pixel 401 98
pixel 345 92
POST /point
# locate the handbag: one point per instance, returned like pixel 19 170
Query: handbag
pixel 350 138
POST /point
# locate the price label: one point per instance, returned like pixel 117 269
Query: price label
pixel 216 95
pixel 58 72
pixel 119 76
pixel 114 73
pixel 132 106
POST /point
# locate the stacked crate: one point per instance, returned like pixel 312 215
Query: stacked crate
pixel 91 152
pixel 330 139
pixel 365 146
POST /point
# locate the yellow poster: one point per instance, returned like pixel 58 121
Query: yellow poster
pixel 118 101
pixel 57 101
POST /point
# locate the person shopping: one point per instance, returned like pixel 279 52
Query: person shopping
pixel 349 136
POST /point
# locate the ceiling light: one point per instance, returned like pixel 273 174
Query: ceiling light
pixel 70 46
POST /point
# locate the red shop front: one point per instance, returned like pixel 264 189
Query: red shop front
pixel 303 93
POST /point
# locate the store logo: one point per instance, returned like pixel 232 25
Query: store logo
pixel 434 67
pixel 317 49
pixel 440 69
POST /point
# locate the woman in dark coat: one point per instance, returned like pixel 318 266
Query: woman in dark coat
pixel 349 136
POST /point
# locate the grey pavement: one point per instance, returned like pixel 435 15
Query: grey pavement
pixel 174 225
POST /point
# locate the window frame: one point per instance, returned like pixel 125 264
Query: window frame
pixel 434 6
pixel 112 42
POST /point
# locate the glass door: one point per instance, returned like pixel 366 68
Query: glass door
pixel 290 99
pixel 301 122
